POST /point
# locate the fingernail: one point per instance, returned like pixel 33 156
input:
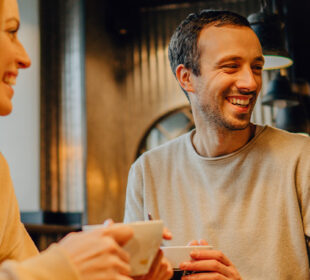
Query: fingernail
pixel 183 265
pixel 194 253
pixel 107 222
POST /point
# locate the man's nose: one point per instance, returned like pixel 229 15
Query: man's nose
pixel 247 80
pixel 22 59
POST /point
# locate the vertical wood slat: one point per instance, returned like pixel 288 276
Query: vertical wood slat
pixel 62 106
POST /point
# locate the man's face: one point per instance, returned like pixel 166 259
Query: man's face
pixel 12 54
pixel 231 62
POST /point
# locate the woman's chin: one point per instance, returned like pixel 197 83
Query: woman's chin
pixel 5 109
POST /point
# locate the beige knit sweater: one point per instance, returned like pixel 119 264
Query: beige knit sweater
pixel 16 246
pixel 253 204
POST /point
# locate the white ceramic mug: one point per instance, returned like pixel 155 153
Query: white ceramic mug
pixel 144 245
pixel 179 254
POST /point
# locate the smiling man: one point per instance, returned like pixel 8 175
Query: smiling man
pixel 224 91
pixel 244 188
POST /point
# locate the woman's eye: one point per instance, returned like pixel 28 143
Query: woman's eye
pixel 12 32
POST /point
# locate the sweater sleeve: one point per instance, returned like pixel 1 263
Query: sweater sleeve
pixel 52 264
pixel 303 186
pixel 19 257
pixel 134 195
pixel 15 242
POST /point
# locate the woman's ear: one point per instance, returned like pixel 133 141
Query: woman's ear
pixel 184 77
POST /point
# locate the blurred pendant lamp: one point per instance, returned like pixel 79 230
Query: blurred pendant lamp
pixel 279 92
pixel 270 30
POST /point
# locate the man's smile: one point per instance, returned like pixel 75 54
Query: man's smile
pixel 242 101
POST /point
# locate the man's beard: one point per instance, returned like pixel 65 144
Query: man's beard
pixel 213 118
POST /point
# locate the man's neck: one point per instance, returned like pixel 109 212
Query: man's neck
pixel 214 142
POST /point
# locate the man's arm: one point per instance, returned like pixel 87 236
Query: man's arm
pixel 303 189
pixel 134 195
pixel 161 268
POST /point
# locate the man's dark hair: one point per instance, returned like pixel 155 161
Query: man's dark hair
pixel 183 47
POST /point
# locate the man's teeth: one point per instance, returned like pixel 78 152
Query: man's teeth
pixel 237 101
pixel 10 80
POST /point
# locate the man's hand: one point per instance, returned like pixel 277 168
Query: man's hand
pixel 197 242
pixel 211 264
pixel 98 254
pixel 167 235
pixel 160 269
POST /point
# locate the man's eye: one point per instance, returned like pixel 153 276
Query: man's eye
pixel 231 66
pixel 258 67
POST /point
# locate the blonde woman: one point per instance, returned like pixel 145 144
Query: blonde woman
pixel 85 256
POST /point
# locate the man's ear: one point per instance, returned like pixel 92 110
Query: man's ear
pixel 184 77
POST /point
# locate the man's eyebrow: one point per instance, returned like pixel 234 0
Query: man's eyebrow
pixel 228 58
pixel 260 58
pixel 237 58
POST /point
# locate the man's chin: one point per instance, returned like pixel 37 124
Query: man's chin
pixel 237 126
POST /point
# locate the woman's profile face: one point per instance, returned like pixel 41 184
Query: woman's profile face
pixel 12 53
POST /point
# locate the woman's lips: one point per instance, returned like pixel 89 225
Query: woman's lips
pixel 9 79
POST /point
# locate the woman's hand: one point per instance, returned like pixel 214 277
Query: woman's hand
pixel 98 254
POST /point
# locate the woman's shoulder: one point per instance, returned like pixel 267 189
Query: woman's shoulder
pixel 3 164
pixel 5 178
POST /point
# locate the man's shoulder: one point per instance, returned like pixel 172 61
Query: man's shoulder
pixel 290 137
pixel 285 140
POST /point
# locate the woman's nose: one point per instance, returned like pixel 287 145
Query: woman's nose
pixel 23 59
